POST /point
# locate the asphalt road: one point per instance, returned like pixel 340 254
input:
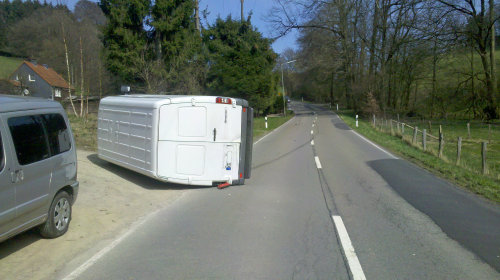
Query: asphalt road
pixel 403 222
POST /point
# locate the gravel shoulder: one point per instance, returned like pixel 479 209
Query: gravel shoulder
pixel 110 199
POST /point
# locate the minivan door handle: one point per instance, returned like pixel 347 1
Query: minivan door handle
pixel 17 176
pixel 215 134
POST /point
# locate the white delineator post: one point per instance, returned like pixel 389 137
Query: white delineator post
pixel 337 106
pixel 266 121
pixel 356 120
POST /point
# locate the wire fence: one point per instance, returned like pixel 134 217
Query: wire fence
pixel 472 145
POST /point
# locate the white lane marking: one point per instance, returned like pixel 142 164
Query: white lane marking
pixel 312 142
pixel 318 163
pixel 313 125
pixel 94 259
pixel 274 130
pixel 374 145
pixel 350 254
pixel 312 132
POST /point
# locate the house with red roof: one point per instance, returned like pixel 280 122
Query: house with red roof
pixel 39 81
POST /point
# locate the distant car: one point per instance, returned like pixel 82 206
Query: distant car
pixel 287 99
pixel 38 182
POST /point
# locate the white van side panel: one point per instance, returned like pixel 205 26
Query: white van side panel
pixel 126 136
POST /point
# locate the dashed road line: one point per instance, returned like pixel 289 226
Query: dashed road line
pixel 352 259
pixel 312 142
pixel 318 163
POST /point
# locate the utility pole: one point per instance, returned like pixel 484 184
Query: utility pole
pixel 197 15
pixel 283 84
pixel 242 19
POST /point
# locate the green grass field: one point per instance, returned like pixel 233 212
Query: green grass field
pixel 85 131
pixel 471 146
pixel 467 174
pixel 8 65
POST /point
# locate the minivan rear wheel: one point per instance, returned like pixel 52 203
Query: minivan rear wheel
pixel 59 216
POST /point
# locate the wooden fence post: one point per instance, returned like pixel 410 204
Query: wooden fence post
pixel 392 130
pixel 403 128
pixel 430 127
pixel 459 149
pixel 483 156
pixel 441 145
pixel 468 130
pixel 414 140
pixel 424 139
pixel 374 122
pixel 399 130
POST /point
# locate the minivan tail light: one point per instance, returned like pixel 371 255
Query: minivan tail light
pixel 223 100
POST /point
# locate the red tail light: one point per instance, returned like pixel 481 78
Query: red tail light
pixel 223 100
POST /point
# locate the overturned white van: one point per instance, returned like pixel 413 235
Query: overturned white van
pixel 193 140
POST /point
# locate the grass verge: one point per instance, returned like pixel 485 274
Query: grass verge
pixel 485 186
pixel 85 130
pixel 259 125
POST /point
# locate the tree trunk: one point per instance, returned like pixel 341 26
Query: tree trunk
pixel 374 37
pixel 197 15
pixel 492 50
pixel 81 74
pixel 67 67
pixel 434 76
pixel 473 87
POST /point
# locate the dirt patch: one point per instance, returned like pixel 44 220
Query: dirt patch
pixel 111 198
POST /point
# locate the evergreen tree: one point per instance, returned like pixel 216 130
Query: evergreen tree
pixel 241 62
pixel 124 37
pixel 178 43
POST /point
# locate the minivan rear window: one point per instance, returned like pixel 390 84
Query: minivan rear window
pixel 59 139
pixel 29 139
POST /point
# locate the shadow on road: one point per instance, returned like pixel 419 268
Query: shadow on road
pixel 279 157
pixel 340 125
pixel 471 221
pixel 137 178
pixel 18 242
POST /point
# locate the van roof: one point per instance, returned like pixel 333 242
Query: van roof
pixel 145 100
pixel 11 103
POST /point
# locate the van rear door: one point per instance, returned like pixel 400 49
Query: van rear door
pixel 199 142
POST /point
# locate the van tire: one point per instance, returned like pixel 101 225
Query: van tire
pixel 59 216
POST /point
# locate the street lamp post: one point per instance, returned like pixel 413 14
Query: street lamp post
pixel 283 85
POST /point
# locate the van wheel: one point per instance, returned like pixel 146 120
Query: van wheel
pixel 59 216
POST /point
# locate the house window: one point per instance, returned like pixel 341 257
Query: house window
pixel 57 92
pixel 30 78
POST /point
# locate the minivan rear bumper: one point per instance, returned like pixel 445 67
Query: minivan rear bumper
pixel 75 186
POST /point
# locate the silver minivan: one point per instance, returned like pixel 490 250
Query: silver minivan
pixel 38 183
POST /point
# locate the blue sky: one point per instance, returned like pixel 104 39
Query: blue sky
pixel 223 8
